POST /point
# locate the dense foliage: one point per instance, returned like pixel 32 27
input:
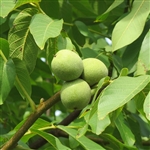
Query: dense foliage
pixel 31 113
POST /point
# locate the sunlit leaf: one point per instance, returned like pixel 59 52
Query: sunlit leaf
pixel 130 27
pixel 98 126
pixel 6 7
pixel 119 93
pixel 147 106
pixel 124 72
pixel 143 65
pixel 133 50
pixel 46 28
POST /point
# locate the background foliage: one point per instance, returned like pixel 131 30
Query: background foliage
pixel 116 32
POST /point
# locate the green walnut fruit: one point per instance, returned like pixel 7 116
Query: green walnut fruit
pixel 93 71
pixel 67 65
pixel 75 94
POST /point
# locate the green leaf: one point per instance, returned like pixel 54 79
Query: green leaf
pixel 135 128
pixel 23 76
pixel 73 143
pixel 78 37
pixel 117 62
pixel 124 31
pixel 87 53
pixel 82 8
pixel 64 43
pixel 50 7
pixel 119 92
pixel 2 20
pixel 20 147
pixel 124 130
pixel 40 124
pixel 114 5
pixel 52 48
pixel 133 50
pixel 82 130
pixel 146 106
pixel 56 144
pixel 6 7
pixel 139 102
pixel 94 105
pixel 98 126
pixel 115 144
pixel 106 13
pixel 124 72
pixel 4 47
pixel 83 29
pixel 143 64
pixel 86 143
pixel 7 78
pixel 22 44
pixel 65 10
pixel 144 125
pixel 22 2
pixel 46 28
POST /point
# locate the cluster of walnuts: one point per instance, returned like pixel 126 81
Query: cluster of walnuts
pixel 79 76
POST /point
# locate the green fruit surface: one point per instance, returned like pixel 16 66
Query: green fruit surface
pixel 93 71
pixel 67 65
pixel 75 94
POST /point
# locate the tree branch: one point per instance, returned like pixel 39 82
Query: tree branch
pixel 56 132
pixel 43 106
